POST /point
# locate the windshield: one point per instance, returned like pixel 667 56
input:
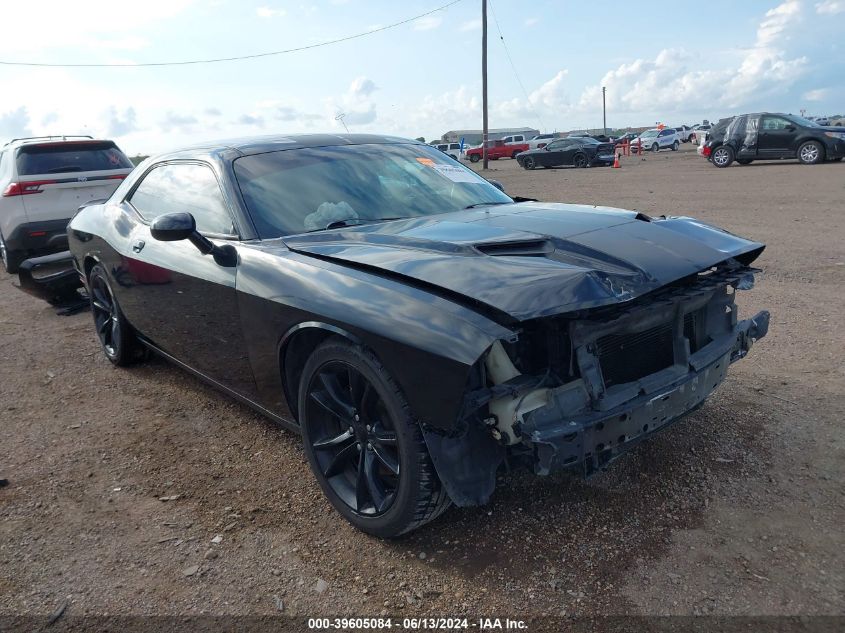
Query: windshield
pixel 295 191
pixel 802 121
pixel 649 133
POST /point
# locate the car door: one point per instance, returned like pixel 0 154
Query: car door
pixel 183 301
pixel 665 138
pixel 555 153
pixel 776 137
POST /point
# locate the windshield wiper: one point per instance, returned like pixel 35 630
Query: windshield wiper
pixel 338 224
pixel 484 204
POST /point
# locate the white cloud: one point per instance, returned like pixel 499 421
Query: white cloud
pixel 427 23
pixel 471 25
pixel 819 94
pixel 362 87
pixel 267 12
pixel 67 24
pixel 830 7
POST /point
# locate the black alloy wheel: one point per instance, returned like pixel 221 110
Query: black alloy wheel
pixel 579 160
pixel 366 451
pixel 116 337
pixel 528 162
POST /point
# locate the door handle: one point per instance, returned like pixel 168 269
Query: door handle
pixel 138 246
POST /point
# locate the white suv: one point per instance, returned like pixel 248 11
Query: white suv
pixel 655 140
pixel 43 181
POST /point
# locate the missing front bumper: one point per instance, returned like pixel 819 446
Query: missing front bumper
pixel 52 278
pixel 588 440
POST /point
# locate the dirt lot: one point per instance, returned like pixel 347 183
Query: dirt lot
pixel 736 510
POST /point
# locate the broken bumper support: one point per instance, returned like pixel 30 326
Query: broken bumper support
pixel 588 440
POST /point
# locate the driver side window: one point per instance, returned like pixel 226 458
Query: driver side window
pixel 184 187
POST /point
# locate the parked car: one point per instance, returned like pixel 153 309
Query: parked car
pixel 452 149
pixel 716 130
pixel 628 136
pixel 685 133
pixel 698 132
pixel 495 150
pixel 655 140
pixel 580 151
pixel 541 140
pixel 774 136
pixel 360 292
pixel 43 181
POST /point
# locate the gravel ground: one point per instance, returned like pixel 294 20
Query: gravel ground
pixel 143 491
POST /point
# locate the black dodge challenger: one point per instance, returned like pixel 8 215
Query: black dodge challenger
pixel 416 325
pixel 575 151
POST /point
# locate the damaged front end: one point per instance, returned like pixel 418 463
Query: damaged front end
pixel 578 390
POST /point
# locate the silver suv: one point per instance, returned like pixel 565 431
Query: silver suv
pixel 43 181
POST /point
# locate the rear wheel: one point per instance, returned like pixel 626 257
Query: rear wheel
pixel 579 160
pixel 116 336
pixel 675 146
pixel 474 158
pixel 364 447
pixel 722 156
pixel 11 259
pixel 810 153
pixel 529 163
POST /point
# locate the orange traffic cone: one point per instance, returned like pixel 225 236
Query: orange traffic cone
pixel 616 164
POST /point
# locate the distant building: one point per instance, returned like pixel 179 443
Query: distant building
pixel 473 137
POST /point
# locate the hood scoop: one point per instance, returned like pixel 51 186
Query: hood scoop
pixel 523 248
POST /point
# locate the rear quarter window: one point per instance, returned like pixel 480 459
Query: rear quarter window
pixel 60 158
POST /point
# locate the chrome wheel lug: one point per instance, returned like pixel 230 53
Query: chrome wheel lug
pixel 358 445
pixel 368 427
pixel 357 418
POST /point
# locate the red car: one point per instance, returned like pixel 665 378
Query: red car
pixel 496 150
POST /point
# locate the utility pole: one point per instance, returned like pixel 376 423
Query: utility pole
pixel 484 131
pixel 604 109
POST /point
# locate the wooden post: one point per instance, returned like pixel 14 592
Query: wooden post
pixel 484 131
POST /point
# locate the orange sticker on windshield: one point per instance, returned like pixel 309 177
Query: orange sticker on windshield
pixel 426 161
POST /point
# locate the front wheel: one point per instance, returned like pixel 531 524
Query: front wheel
pixel 364 447
pixel 722 156
pixel 810 153
pixel 529 163
pixel 474 158
pixel 675 146
pixel 655 148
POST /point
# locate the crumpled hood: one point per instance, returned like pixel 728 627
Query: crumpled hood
pixel 529 260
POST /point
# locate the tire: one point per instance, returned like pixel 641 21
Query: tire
pixel 675 146
pixel 580 160
pixel 529 163
pixel 116 337
pixel 722 156
pixel 363 445
pixel 474 158
pixel 744 161
pixel 811 153
pixel 655 148
pixel 11 259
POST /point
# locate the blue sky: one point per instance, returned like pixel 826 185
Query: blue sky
pixel 676 62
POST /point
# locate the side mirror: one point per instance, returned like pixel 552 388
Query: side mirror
pixel 173 227
pixel 498 185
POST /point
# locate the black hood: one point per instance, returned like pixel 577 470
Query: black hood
pixel 534 259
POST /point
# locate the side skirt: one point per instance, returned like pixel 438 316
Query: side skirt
pixel 290 425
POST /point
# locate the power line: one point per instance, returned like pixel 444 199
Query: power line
pixel 239 57
pixel 513 67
